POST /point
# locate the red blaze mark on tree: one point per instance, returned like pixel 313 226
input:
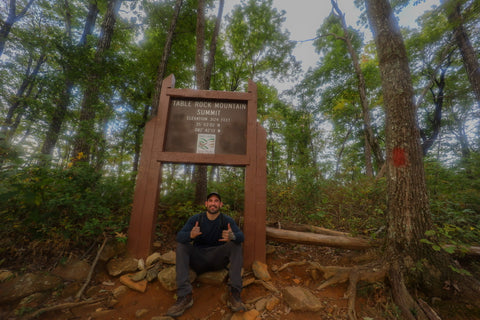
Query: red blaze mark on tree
pixel 399 157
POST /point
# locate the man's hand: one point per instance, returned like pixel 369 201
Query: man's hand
pixel 195 231
pixel 228 235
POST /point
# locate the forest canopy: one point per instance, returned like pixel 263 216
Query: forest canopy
pixel 78 83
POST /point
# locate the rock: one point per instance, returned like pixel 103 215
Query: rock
pixel 152 273
pixel 260 304
pixel 270 249
pixel 140 275
pixel 301 299
pixel 6 275
pixel 119 291
pixel 152 259
pixel 102 313
pixel 167 278
pixel 140 286
pixel 93 291
pixel 112 249
pixel 260 270
pixel 76 270
pixel 248 315
pixel 141 264
pixel 213 277
pixel 315 274
pixel 248 281
pixel 140 313
pixel 27 284
pixel 169 257
pixel 161 318
pixel 272 303
pixel 33 301
pixel 70 290
pixel 118 266
pixel 112 302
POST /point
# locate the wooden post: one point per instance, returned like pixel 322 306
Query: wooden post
pixel 231 118
pixel 143 219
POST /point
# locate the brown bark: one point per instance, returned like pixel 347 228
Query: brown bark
pixel 436 119
pixel 307 228
pixel 213 45
pixel 408 214
pixel 63 99
pixel 371 142
pixel 306 234
pixel 84 138
pixel 200 34
pixel 10 21
pixel 469 56
pixel 161 73
pixel 162 67
pixel 203 76
pixel 17 106
pixel 317 239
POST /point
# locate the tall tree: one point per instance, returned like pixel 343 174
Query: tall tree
pixel 203 82
pixel 62 101
pixel 84 140
pixel 162 66
pixel 371 142
pixel 408 215
pixel 470 57
pixel 12 17
pixel 17 104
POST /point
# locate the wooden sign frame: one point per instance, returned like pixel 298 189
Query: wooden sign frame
pixel 144 212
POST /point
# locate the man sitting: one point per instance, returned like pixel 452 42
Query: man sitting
pixel 209 241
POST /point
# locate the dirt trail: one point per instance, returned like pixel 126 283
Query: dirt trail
pixel 373 301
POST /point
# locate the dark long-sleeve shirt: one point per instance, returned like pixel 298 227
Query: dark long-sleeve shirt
pixel 211 230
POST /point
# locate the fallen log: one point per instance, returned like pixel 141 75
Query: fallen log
pixel 307 228
pixel 317 239
pixel 345 242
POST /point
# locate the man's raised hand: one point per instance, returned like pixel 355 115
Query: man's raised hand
pixel 195 231
pixel 227 235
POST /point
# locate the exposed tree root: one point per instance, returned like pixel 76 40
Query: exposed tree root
pixel 337 275
pixel 371 272
pixel 62 306
pixel 89 277
pixel 432 315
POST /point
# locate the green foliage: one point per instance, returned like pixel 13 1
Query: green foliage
pixel 455 202
pixel 357 207
pixel 75 203
pixel 179 213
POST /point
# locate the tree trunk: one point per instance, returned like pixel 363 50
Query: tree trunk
pixel 85 137
pixel 17 106
pixel 203 83
pixel 436 120
pixel 162 67
pixel 11 19
pixel 408 214
pixel 58 117
pixel 469 57
pixel 213 45
pixel 161 70
pixel 63 100
pixel 317 239
pixel 371 142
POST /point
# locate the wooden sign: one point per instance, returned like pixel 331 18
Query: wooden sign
pixel 202 127
pixel 207 126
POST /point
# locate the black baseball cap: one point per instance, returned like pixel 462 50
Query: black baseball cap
pixel 214 194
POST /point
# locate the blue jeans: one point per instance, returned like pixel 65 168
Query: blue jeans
pixel 208 259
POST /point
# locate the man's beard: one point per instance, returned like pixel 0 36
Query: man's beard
pixel 213 209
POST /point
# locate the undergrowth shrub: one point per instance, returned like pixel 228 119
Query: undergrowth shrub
pixel 455 203
pixel 357 207
pixel 76 203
